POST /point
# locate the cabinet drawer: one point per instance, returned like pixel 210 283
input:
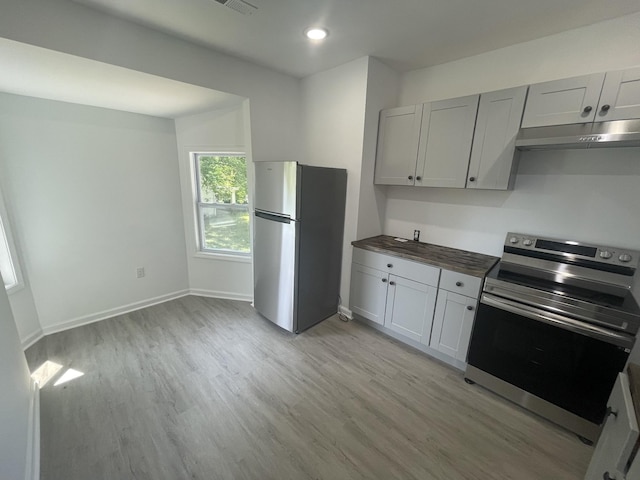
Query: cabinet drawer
pixel 416 271
pixel 460 283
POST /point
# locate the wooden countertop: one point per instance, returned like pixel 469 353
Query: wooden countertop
pixel 461 261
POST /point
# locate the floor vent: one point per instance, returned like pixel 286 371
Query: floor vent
pixel 239 6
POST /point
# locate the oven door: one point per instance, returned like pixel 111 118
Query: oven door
pixel 569 363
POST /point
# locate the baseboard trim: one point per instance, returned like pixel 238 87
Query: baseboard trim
pixel 218 294
pixel 431 352
pixel 32 468
pixel 32 338
pixel 96 317
pixel 342 310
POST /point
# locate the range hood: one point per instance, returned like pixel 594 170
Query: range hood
pixel 619 133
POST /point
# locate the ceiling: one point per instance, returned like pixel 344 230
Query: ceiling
pixel 42 73
pixel 405 34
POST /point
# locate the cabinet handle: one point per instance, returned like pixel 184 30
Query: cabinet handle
pixel 469 307
pixel 606 476
pixel 390 265
pixel 418 178
pixel 410 177
pixel 611 411
pixel 587 109
pixel 392 283
pixel 458 284
pixel 472 179
pixel 605 108
pixel 384 280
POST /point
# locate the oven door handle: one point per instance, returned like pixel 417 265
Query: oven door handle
pixel 560 321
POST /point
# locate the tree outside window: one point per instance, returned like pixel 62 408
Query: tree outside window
pixel 223 203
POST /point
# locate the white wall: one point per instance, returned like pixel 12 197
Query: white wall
pixel 383 85
pixel 72 28
pixel 217 131
pixel 94 194
pixel 271 114
pixel 333 112
pixel 340 116
pixel 586 195
pixel 608 45
pixel 26 315
pixel 14 396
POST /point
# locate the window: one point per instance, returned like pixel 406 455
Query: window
pixel 8 268
pixel 222 203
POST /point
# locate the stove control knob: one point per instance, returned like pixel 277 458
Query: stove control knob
pixel 605 254
pixel 513 240
pixel 625 257
pixel 527 243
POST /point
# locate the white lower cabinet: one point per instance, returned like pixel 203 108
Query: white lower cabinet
pixel 452 324
pixel 368 292
pixel 403 297
pixel 396 293
pixel 409 308
pixel 613 456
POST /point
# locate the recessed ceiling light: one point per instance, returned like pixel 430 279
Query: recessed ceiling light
pixel 316 33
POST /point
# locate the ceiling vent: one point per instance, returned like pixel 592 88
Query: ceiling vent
pixel 240 6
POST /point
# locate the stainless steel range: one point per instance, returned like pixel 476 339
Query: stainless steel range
pixel 555 324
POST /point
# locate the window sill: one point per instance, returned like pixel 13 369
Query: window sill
pixel 224 257
pixel 15 288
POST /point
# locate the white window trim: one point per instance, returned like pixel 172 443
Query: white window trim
pixel 214 255
pixel 11 246
pixel 211 254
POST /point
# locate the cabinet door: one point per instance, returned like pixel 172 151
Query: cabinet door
pixel 620 97
pixel 618 436
pixel 368 292
pixel 452 324
pixel 398 134
pixel 410 308
pixel 559 102
pixel 492 154
pixel 445 142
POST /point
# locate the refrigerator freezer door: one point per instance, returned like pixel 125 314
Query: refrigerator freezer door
pixel 276 187
pixel 274 269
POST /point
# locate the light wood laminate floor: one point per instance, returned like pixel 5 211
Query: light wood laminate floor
pixel 200 388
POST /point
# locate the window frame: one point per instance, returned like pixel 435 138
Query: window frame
pixel 7 243
pixel 201 250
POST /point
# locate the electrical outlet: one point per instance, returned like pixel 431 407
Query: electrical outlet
pixel 140 272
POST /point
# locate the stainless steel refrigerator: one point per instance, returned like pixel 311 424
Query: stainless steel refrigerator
pixel 298 236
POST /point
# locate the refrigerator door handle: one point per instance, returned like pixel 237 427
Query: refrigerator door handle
pixel 272 217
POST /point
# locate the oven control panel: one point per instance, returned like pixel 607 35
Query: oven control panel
pixel 569 248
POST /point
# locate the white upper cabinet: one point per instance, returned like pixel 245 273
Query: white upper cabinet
pixel 470 141
pixel 492 165
pixel 445 142
pixel 570 100
pixel 620 98
pixel 599 97
pixel 398 134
